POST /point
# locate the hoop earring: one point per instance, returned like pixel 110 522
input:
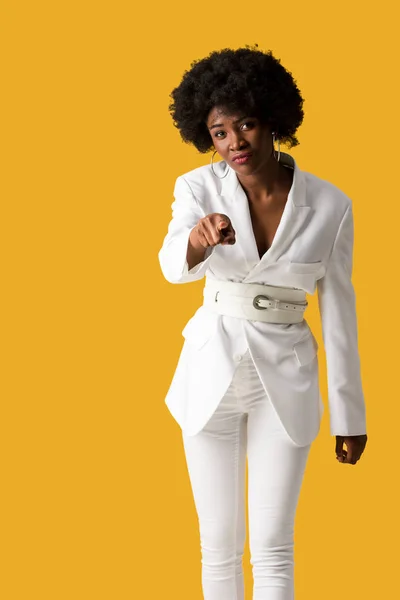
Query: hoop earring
pixel 227 169
pixel 273 146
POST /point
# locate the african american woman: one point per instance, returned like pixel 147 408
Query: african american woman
pixel 264 234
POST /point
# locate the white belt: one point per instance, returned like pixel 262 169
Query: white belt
pixel 254 301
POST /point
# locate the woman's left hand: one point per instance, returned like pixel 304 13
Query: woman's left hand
pixel 355 447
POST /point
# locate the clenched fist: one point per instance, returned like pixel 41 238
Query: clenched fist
pixel 214 229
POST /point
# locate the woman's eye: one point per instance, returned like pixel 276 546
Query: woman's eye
pixel 247 123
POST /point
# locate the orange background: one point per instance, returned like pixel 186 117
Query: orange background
pixel 96 501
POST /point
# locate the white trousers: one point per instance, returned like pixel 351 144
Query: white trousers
pixel 245 424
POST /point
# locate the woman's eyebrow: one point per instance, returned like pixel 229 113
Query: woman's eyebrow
pixel 221 125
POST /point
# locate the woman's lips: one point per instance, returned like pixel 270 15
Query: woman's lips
pixel 242 161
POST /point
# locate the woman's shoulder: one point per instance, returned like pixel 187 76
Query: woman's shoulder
pixel 202 173
pixel 326 194
pixel 201 179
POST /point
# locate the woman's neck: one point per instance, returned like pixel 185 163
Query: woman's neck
pixel 272 181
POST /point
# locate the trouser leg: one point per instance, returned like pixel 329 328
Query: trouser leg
pixel 275 472
pixel 216 461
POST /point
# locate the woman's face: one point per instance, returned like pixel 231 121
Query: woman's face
pixel 233 134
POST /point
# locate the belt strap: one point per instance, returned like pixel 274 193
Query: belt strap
pixel 256 302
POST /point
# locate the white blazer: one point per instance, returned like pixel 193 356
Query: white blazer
pixel 312 248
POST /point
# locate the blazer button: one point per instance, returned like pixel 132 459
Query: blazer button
pixel 237 357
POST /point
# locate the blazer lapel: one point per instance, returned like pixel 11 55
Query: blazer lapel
pixel 235 204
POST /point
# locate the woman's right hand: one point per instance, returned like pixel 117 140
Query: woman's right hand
pixel 214 229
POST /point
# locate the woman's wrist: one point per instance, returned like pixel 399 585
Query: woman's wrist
pixel 195 250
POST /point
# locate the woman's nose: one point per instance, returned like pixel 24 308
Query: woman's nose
pixel 237 142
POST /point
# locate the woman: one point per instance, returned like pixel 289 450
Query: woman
pixel 264 233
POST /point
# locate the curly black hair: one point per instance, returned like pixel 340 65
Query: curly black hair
pixel 246 80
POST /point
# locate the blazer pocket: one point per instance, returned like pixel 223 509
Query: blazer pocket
pixel 198 331
pixel 300 267
pixel 306 349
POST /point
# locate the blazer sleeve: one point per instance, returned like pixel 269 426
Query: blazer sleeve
pixel 186 213
pixel 337 306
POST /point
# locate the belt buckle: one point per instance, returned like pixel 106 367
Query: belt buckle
pixel 257 298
